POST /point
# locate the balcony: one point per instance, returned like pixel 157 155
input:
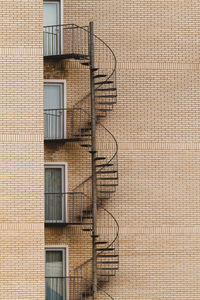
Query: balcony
pixel 63 209
pixel 65 42
pixel 61 125
pixel 71 288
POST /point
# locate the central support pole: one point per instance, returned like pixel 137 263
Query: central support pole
pixel 93 152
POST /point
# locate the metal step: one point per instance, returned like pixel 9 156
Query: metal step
pixel 105 274
pixel 107 255
pixel 102 198
pixel 87 294
pixel 95 235
pixel 100 158
pixel 107 178
pixel 108 269
pixel 87 229
pixel 100 116
pixel 104 165
pixel 105 103
pixel 94 69
pixel 82 135
pixel 99 76
pixel 106 89
pixel 107 262
pixel 105 172
pixel 86 129
pixel 87 211
pixel 85 64
pixel 86 146
pixel 104 82
pixel 106 192
pixel 105 249
pixel 100 243
pixel 103 109
pixel 112 184
pixel 105 96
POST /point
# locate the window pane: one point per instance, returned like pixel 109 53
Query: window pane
pixel 54 269
pixel 54 196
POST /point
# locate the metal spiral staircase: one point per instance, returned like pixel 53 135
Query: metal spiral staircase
pixel 87 202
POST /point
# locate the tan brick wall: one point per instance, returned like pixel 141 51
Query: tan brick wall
pixel 156 125
pixel 21 151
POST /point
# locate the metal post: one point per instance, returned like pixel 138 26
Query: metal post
pixel 93 152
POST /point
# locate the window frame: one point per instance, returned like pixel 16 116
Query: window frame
pixel 64 100
pixel 65 255
pixel 61 17
pixel 64 167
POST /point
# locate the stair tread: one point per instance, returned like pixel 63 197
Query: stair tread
pixel 106 172
pixel 107 262
pixel 82 135
pixel 106 192
pixel 105 249
pixel 86 129
pixel 85 63
pixel 94 69
pixel 106 103
pixel 105 96
pixel 104 82
pixel 105 274
pixel 106 89
pixel 107 255
pixel 86 229
pixel 107 268
pixel 99 158
pixel 99 76
pixel 100 243
pixel 107 178
pixel 114 184
pixel 104 165
pixel 100 116
pixel 95 235
pixel 103 109
pixel 86 146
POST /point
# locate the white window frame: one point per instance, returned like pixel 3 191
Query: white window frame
pixel 64 83
pixel 65 251
pixel 61 17
pixel 65 185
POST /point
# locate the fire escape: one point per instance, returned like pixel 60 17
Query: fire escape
pixel 87 202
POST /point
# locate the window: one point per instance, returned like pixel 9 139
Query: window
pixel 51 28
pixel 54 112
pixel 55 273
pixel 54 193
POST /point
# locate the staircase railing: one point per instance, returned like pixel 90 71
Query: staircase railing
pixel 70 208
pixel 71 288
pixel 108 257
pixel 72 41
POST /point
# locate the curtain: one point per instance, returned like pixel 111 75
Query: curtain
pixel 53 114
pixel 55 283
pixel 51 34
pixel 53 194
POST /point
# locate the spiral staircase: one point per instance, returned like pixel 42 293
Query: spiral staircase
pixel 84 125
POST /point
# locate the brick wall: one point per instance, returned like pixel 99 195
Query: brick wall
pixel 21 151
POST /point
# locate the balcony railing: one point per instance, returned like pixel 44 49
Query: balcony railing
pixel 71 288
pixel 66 208
pixel 70 40
pixel 64 124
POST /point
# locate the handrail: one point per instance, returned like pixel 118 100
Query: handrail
pixel 74 280
pixel 82 108
pixel 116 237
